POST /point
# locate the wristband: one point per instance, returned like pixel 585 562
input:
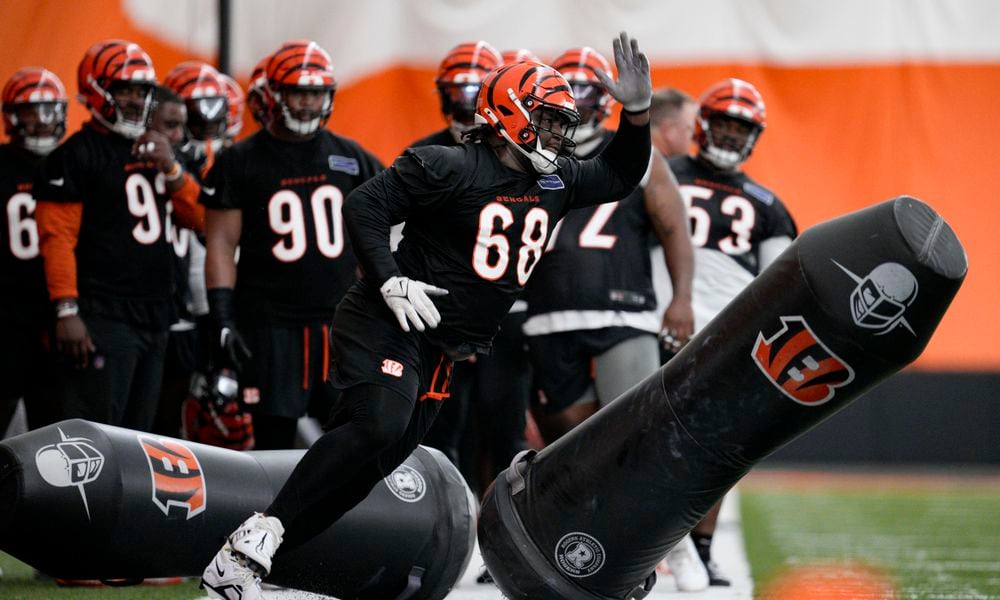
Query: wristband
pixel 220 306
pixel 176 172
pixel 67 308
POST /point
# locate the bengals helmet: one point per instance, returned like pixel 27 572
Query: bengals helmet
pixel 258 97
pixel 107 66
pixel 519 54
pixel 236 100
pixel 200 86
pixel 34 109
pixel 519 101
pixel 579 66
pixel 733 99
pixel 300 65
pixel 459 79
pixel 212 413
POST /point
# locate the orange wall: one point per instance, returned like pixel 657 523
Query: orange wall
pixel 838 138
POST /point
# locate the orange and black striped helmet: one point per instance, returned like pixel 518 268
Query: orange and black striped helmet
pixel 201 88
pixel 735 99
pixel 518 54
pixel 460 76
pixel 38 90
pixel 105 65
pixel 579 66
pixel 300 64
pixel 511 97
pixel 258 97
pixel 236 102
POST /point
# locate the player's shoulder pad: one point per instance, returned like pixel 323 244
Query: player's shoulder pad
pixel 438 161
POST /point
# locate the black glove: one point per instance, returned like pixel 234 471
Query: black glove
pixel 229 349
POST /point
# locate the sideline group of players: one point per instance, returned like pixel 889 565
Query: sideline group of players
pixel 104 265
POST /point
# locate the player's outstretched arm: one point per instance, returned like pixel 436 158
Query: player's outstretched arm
pixel 634 89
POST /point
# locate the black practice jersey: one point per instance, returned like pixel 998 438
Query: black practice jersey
pixel 476 227
pixel 731 217
pixel 595 267
pixel 22 278
pixel 295 261
pixel 122 251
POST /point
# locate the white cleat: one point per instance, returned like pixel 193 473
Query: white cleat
pixel 257 539
pixel 689 572
pixel 228 577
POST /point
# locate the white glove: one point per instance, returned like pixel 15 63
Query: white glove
pixel 633 89
pixel 409 300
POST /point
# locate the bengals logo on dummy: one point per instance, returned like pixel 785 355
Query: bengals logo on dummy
pixel 799 364
pixel 176 474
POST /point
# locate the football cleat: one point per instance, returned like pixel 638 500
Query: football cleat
pixel 257 539
pixel 689 572
pixel 229 577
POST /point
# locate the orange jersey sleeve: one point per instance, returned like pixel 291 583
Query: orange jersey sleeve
pixel 58 230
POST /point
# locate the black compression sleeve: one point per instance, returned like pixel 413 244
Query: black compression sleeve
pixel 368 219
pixel 628 153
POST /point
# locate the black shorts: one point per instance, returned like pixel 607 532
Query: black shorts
pixel 289 368
pixel 370 347
pixel 563 363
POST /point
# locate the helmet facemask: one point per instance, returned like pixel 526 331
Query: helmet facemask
pixel 303 122
pixel 458 104
pixel 127 116
pixel 554 123
pixel 728 140
pixel 589 98
pixel 37 126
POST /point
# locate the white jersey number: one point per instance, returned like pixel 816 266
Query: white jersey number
pixel 142 205
pixel 286 216
pixel 739 208
pixel 493 220
pixel 22 231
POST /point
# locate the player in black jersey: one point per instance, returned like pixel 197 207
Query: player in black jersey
pixel 101 210
pixel 494 388
pixel 477 218
pixel 592 320
pixel 278 195
pixel 738 226
pixel 34 115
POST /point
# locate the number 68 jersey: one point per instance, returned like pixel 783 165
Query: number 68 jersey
pixel 295 260
pixel 737 228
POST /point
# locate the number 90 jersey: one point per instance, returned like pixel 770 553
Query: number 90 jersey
pixel 295 260
pixel 733 220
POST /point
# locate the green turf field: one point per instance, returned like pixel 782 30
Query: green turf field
pixel 937 538
pixel 936 541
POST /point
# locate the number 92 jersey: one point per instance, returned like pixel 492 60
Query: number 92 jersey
pixel 122 250
pixel 295 260
pixel 733 221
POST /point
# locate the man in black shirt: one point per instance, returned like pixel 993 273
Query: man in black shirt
pixel 34 115
pixel 278 196
pixel 477 219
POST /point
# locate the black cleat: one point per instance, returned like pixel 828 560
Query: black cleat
pixel 715 578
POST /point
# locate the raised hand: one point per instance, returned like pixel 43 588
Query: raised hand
pixel 633 89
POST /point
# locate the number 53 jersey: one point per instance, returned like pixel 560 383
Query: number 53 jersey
pixel 295 260
pixel 737 228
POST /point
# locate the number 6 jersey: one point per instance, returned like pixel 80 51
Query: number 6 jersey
pixel 295 260
pixel 737 228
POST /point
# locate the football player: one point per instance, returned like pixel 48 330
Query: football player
pixel 477 219
pixel 257 93
pixel 738 226
pixel 101 209
pixel 592 321
pixel 34 117
pixel 236 102
pixel 518 54
pixel 278 195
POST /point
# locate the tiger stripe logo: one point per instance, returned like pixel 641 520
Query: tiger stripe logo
pixel 178 482
pixel 799 364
